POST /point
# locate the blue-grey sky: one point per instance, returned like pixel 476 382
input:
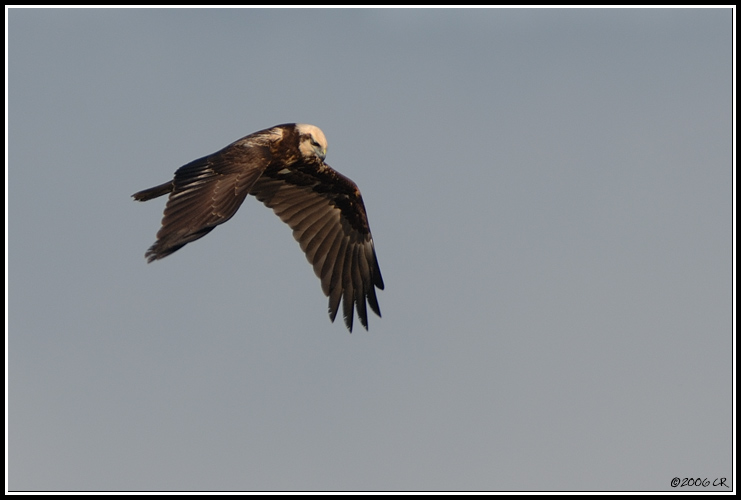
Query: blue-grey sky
pixel 550 194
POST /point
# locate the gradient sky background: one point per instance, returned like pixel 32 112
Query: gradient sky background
pixel 550 193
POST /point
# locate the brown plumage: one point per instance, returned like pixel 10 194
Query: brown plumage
pixel 284 168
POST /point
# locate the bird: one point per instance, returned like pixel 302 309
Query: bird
pixel 283 167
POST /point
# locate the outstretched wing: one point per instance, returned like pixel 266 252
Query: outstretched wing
pixel 205 193
pixel 327 215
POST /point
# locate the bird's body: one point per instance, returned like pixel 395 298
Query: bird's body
pixel 284 168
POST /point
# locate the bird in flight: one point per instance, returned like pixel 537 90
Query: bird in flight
pixel 284 168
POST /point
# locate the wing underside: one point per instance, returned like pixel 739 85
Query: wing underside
pixel 330 225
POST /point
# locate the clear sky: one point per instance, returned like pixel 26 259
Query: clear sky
pixel 550 194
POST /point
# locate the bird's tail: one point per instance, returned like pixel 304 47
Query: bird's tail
pixel 153 192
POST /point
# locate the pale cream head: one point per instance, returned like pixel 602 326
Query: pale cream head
pixel 311 142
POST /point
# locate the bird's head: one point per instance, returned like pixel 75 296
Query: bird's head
pixel 311 141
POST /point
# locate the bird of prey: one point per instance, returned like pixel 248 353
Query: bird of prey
pixel 284 168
